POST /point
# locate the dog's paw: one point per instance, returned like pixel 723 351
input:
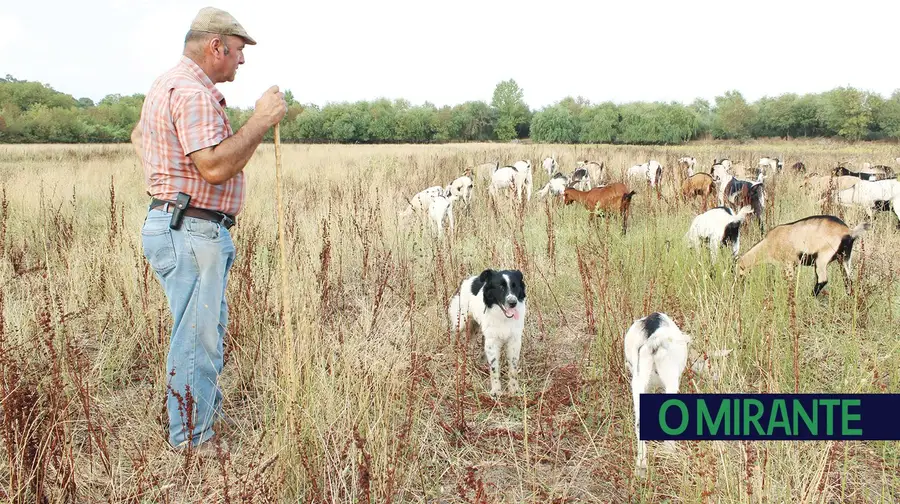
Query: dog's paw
pixel 495 393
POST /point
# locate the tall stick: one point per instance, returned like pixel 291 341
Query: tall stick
pixel 285 304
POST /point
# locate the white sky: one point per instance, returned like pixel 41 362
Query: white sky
pixel 338 50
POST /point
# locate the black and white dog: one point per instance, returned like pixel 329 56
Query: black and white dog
pixel 495 300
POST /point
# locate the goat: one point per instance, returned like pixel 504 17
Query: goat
pixel 486 170
pixel 818 239
pixel 741 192
pixel 818 184
pixel 656 354
pixel 461 188
pixel 688 164
pixel 841 170
pixel 550 166
pixel 581 179
pixel 718 226
pixel 651 171
pixel 524 180
pixel 698 184
pixel 614 197
pixel 556 186
pixel 596 172
pixel 433 201
pixel 775 164
pixel 507 176
pixel 881 194
pixel 799 167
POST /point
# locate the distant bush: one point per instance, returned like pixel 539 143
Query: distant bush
pixel 31 112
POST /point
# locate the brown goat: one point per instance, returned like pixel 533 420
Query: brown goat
pixel 699 184
pixel 611 198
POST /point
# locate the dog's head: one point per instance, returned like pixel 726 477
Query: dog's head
pixel 504 289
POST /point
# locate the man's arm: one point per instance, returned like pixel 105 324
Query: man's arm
pixel 218 163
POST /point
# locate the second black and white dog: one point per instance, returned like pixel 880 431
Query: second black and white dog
pixel 495 301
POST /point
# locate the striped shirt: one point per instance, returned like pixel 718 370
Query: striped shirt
pixel 183 113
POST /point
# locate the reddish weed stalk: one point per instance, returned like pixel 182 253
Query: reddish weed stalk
pixel 586 289
pixel 322 277
pixel 551 236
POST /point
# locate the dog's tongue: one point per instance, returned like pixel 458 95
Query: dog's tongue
pixel 515 314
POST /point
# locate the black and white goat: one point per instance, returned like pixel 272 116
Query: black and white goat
pixel 717 227
pixel 740 192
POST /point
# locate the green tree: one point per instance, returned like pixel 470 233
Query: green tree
pixel 554 124
pixel 733 116
pixel 599 124
pixel 848 112
pixel 512 113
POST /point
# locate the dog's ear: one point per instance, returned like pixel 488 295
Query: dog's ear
pixel 485 275
pixel 521 279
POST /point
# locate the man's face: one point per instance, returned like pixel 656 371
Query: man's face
pixel 227 64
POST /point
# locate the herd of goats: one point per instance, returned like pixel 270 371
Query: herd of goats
pixel 656 350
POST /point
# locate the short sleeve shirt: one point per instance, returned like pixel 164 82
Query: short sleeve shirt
pixel 184 112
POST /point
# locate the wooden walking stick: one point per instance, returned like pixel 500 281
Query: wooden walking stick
pixel 285 304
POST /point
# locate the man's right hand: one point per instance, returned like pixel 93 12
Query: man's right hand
pixel 271 107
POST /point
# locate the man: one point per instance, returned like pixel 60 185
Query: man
pixel 187 148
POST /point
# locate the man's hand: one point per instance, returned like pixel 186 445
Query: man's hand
pixel 270 107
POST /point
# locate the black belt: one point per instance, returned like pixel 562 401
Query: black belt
pixel 200 213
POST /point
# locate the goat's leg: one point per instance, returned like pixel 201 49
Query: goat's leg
pixel 639 384
pixel 821 274
pixel 845 270
pixel 450 215
pixel 670 376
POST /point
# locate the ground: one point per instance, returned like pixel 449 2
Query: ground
pixel 373 399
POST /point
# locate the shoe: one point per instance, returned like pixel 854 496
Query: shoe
pixel 206 449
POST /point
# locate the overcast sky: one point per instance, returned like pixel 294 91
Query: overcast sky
pixel 451 52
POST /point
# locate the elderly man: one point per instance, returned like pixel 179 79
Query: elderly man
pixel 193 166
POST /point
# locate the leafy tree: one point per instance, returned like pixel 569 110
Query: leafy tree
pixel 599 124
pixel 512 112
pixel 554 124
pixel 733 116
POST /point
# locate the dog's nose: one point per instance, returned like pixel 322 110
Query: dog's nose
pixel 513 302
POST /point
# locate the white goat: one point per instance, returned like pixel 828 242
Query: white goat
pixel 507 176
pixel 434 201
pixel 556 187
pixel 550 166
pixel 773 164
pixel 718 226
pixel 462 188
pixel 688 163
pixel 651 171
pixel 868 195
pixel 656 354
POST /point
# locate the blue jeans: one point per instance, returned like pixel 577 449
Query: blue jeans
pixel 192 264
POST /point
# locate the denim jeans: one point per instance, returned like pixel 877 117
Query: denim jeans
pixel 192 264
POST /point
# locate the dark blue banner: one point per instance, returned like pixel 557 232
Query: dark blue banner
pixel 775 417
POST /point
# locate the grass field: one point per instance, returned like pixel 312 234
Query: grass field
pixel 374 400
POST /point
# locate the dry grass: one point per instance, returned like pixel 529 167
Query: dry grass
pixel 375 400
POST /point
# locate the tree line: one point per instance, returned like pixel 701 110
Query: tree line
pixel 32 112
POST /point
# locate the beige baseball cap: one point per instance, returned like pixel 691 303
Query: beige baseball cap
pixel 213 20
